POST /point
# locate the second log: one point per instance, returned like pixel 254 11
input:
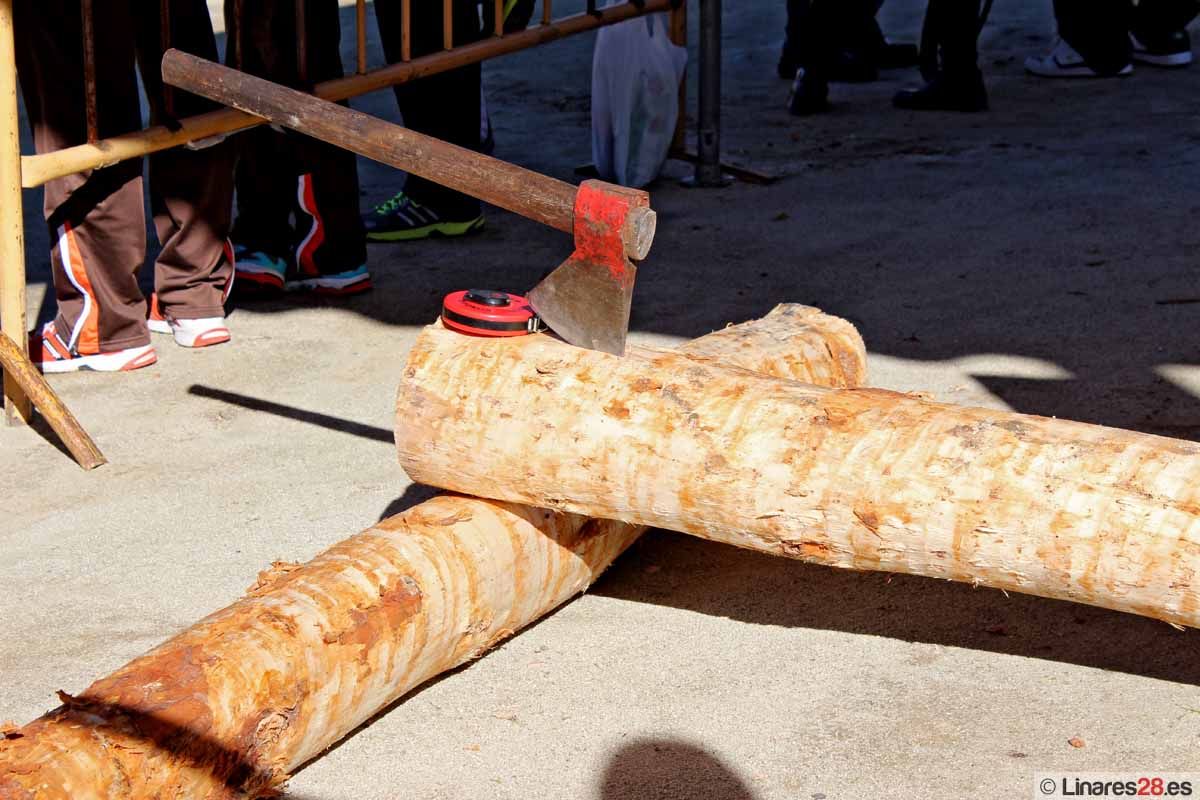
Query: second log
pixel 857 478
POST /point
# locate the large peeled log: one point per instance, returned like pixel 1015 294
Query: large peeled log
pixel 233 704
pixel 857 478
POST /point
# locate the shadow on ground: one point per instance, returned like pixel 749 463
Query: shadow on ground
pixel 710 578
pixel 648 768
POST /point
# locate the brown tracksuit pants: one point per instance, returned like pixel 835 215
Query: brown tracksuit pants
pixel 97 218
pixel 297 197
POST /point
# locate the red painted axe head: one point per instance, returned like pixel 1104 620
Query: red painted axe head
pixel 586 300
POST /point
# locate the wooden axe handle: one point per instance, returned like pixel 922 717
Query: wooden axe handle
pixel 522 191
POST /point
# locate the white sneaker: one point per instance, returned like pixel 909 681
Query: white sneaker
pixel 1064 62
pixel 203 332
pixel 50 353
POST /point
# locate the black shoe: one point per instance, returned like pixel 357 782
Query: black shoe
pixel 809 96
pixel 897 56
pixel 945 94
pixel 1170 50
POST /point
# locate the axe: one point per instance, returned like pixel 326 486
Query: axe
pixel 585 300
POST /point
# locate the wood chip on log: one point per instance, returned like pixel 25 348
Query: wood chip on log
pixel 231 706
pixel 859 478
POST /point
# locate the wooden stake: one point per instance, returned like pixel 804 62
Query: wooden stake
pixel 17 407
pixel 244 697
pixel 16 364
pixel 547 11
pixel 861 479
pixel 38 169
pixel 447 24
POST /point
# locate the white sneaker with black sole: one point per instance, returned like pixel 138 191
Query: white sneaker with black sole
pixel 1064 62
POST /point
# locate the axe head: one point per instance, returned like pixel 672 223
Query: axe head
pixel 586 300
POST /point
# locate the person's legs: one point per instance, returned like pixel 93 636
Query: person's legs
pixel 1157 17
pixel 331 238
pixel 445 106
pixel 818 48
pixel 789 58
pixel 281 175
pixel 1158 32
pixel 959 41
pixel 191 191
pixel 954 80
pixel 857 40
pixel 97 226
pixel 1097 32
pixel 266 165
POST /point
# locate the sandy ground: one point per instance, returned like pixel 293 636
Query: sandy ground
pixel 1024 259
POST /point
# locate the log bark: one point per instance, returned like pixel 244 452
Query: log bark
pixel 235 703
pixel 861 478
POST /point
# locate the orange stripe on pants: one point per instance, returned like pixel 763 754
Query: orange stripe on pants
pixel 86 333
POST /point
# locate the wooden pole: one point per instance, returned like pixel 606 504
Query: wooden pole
pixel 861 479
pixel 522 191
pixel 164 20
pixel 239 39
pixel 244 697
pixel 302 42
pixel 447 24
pixel 17 407
pixel 360 33
pixel 38 169
pixel 547 11
pixel 498 12
pixel 406 30
pixel 88 44
pixel 72 434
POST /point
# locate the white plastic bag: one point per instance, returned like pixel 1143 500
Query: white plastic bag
pixel 635 89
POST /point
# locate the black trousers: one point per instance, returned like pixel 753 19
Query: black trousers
pixel 446 105
pixel 949 40
pixel 297 197
pixel 817 30
pixel 1099 29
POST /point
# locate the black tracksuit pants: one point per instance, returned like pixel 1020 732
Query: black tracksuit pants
pixel 297 197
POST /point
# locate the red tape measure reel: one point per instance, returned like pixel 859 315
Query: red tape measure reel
pixel 484 312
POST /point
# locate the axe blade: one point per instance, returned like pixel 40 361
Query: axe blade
pixel 586 304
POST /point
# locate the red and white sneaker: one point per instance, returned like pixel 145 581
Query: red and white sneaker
pixel 50 353
pixel 203 332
